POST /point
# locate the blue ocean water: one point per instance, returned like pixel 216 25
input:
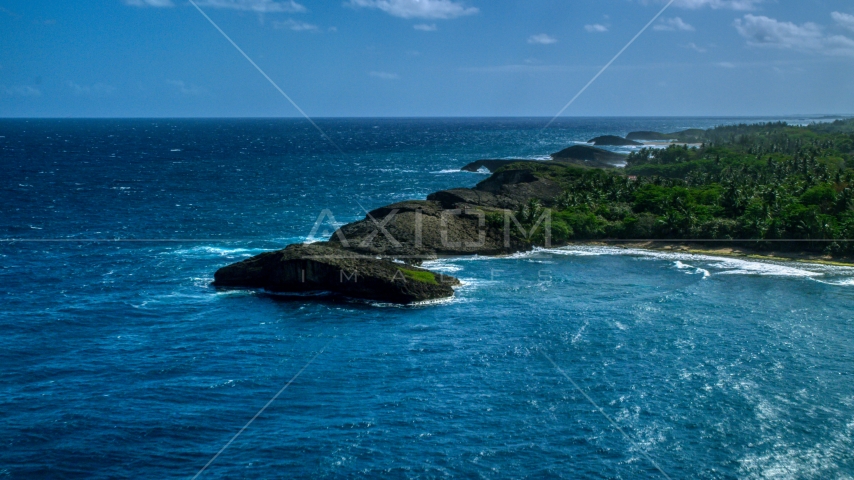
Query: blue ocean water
pixel 119 360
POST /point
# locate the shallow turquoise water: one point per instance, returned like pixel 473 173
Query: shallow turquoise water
pixel 120 360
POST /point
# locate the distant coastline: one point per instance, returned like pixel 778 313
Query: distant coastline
pixel 770 191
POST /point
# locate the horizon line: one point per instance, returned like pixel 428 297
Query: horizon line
pixel 409 117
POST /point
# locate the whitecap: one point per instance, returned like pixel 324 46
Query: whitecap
pixel 236 292
pixel 720 265
pixel 441 266
pixel 212 251
pixel 575 252
pixel 847 282
pixel 425 303
pixel 475 283
pixel 450 170
pixel 742 267
pixel 697 271
pixel 312 294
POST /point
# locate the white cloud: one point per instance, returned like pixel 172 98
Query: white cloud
pixel 430 9
pixel 761 31
pixel 844 20
pixel 185 89
pixel 260 6
pixel 596 28
pixel 541 39
pixel 296 26
pixel 23 91
pixel 423 27
pixel 744 5
pixel 719 4
pixel 150 3
pixel 693 46
pixel 384 75
pixel 725 64
pixel 98 89
pixel 673 25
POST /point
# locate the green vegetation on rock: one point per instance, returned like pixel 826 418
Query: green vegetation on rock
pixel 757 182
pixel 419 276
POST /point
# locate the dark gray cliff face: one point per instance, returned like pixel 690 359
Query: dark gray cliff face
pixel 320 267
pixel 589 156
pixel 450 222
pixel 492 165
pixel 417 230
pixel 515 187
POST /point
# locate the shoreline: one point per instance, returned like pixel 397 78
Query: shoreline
pixel 727 252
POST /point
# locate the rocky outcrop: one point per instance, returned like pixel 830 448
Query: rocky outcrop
pixel 415 231
pixel 589 156
pixel 613 141
pixel 646 135
pixel 323 267
pixel 516 186
pixel 465 198
pixel 576 155
pixel 491 165
pixel 687 136
pixel 449 222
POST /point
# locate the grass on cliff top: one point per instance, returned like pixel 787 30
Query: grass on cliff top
pixel 419 276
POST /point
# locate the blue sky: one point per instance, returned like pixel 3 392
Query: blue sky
pixel 161 58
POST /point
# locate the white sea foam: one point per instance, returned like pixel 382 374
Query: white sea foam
pixel 475 283
pixel 741 267
pixel 697 271
pixel 395 170
pixel 211 251
pixel 846 282
pixel 441 266
pixel 450 170
pixel 476 258
pixel 425 303
pixel 573 252
pixel 785 460
pixel 312 294
pixel 830 274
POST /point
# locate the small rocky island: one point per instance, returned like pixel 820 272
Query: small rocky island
pixel 328 268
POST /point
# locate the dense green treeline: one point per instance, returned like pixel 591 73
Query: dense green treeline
pixel 744 182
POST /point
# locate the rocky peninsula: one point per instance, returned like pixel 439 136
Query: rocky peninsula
pixel 774 187
pixel 377 258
